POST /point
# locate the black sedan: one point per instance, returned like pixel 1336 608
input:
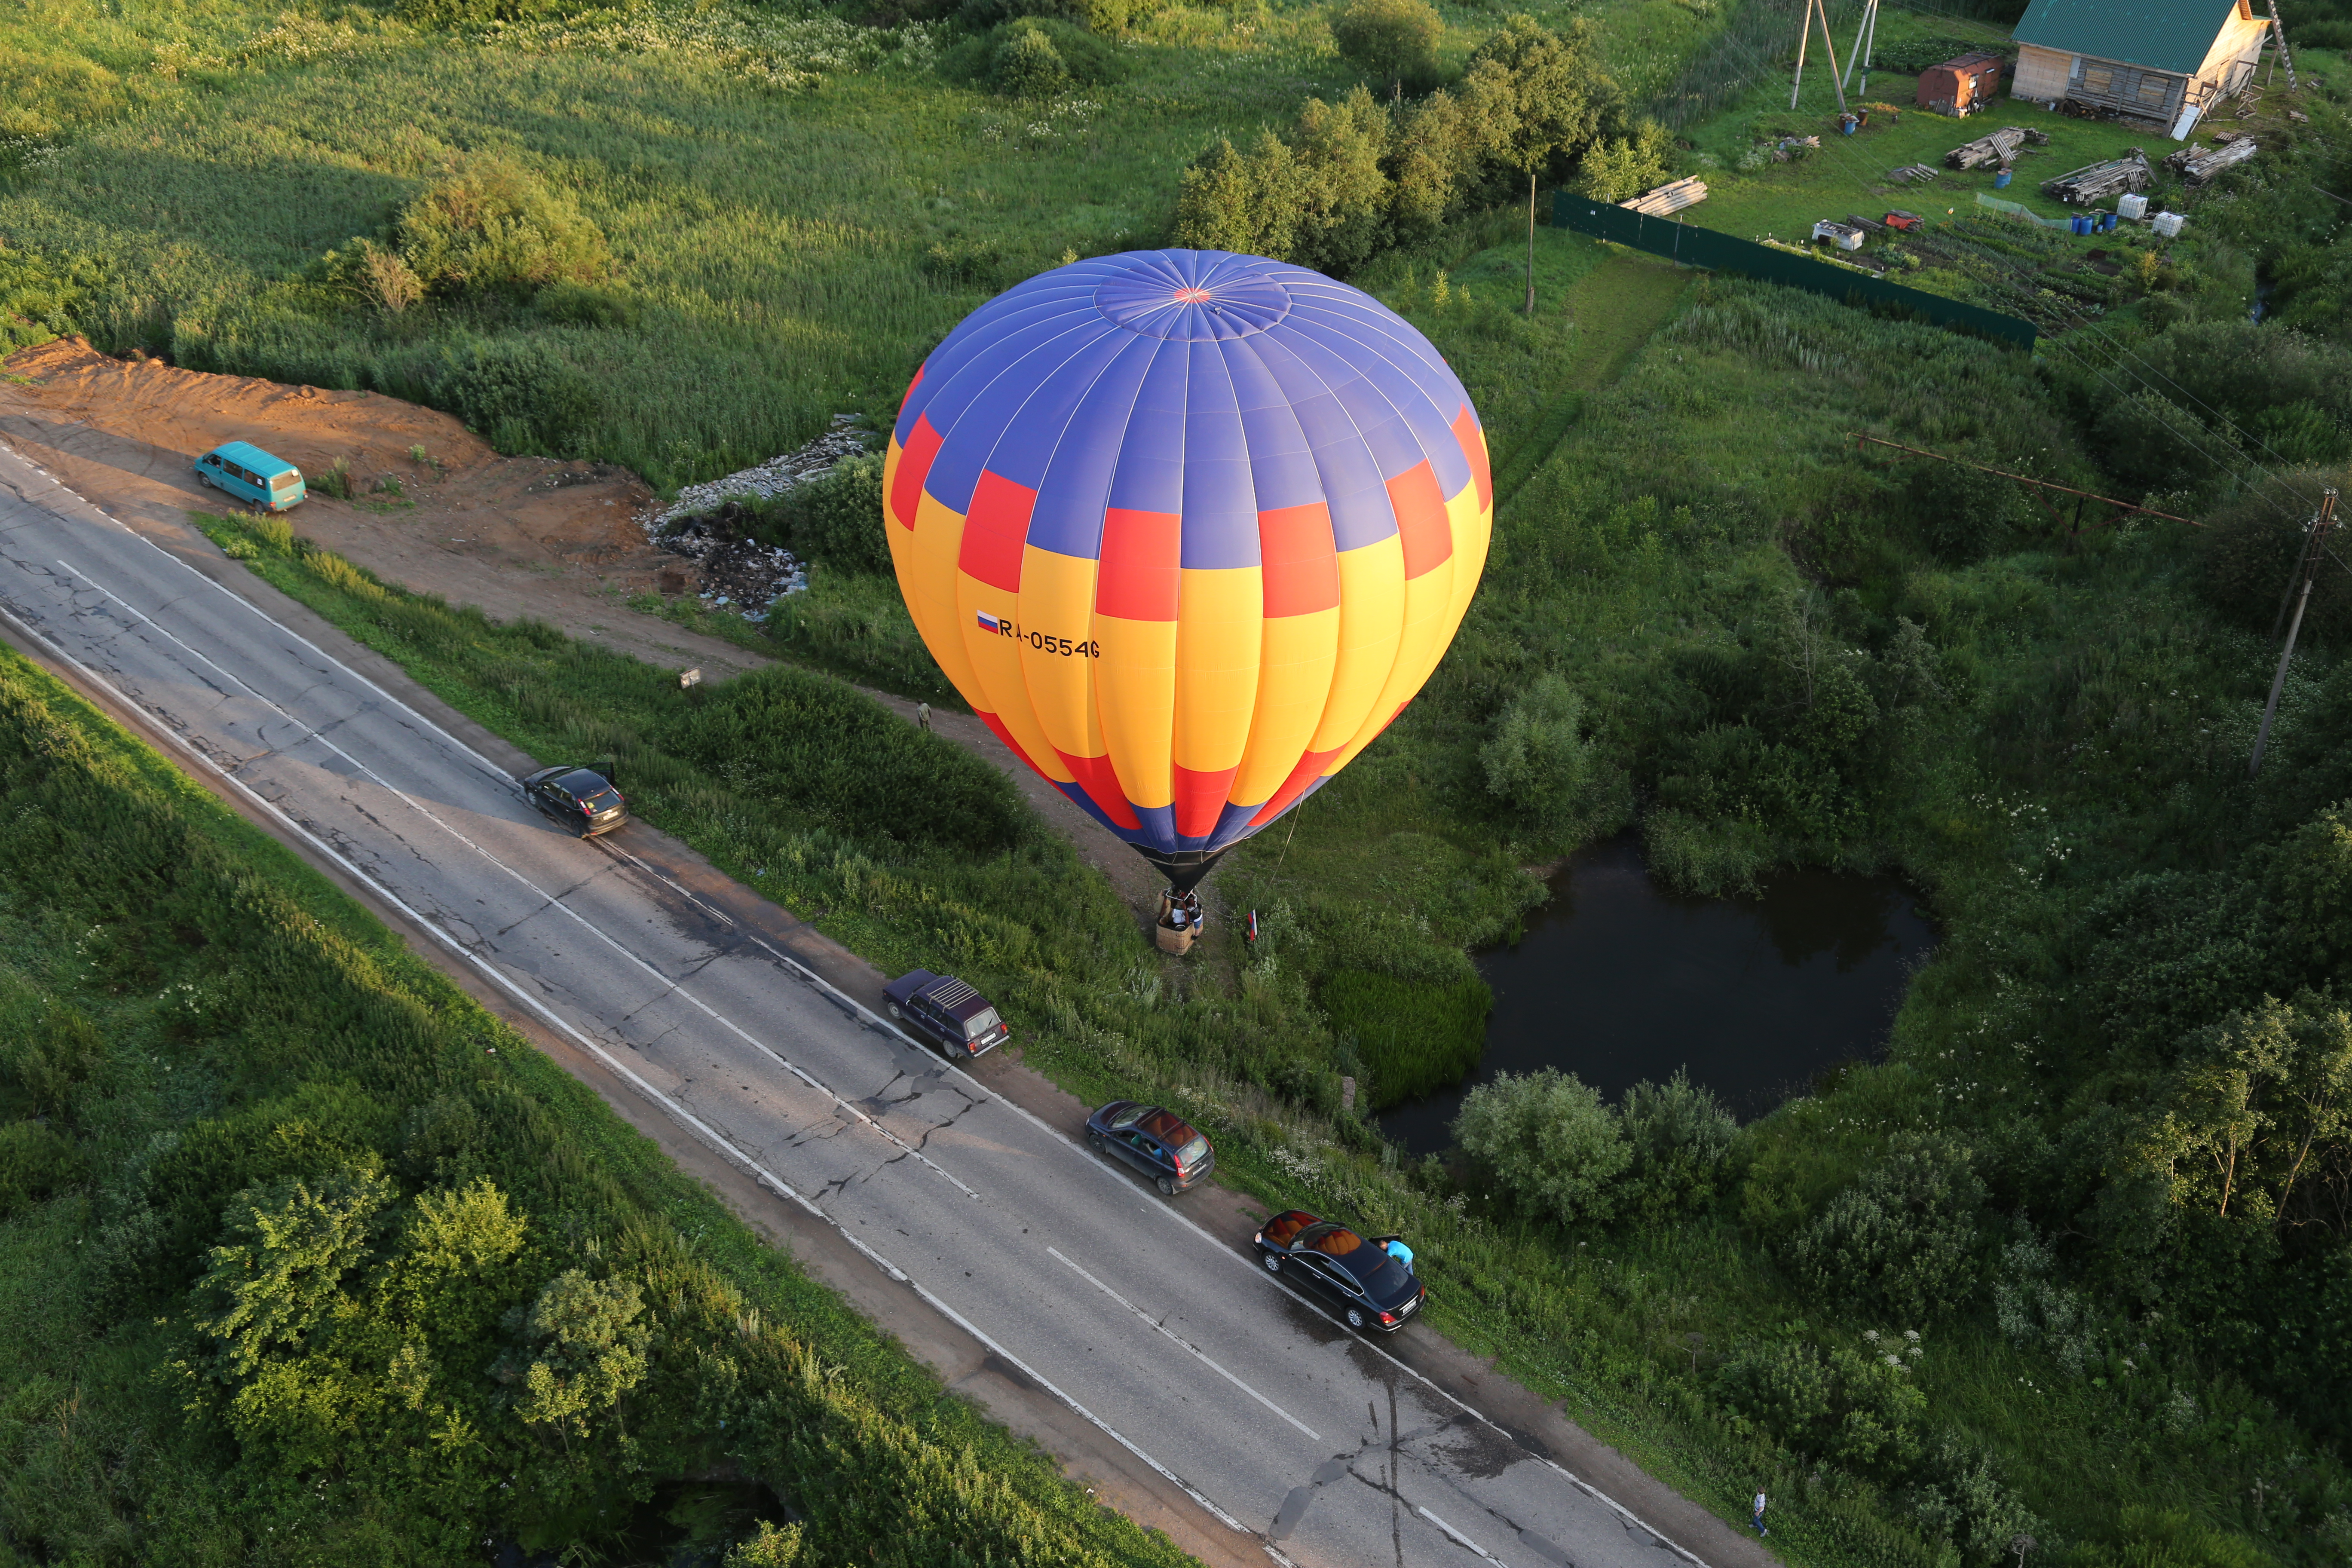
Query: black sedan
pixel 945 1010
pixel 1366 1285
pixel 582 800
pixel 1156 1142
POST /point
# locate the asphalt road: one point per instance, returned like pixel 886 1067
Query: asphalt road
pixel 1276 1420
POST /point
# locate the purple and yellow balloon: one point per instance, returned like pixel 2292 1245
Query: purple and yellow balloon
pixel 1188 529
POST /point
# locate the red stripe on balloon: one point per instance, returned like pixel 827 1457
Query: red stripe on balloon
pixel 1140 570
pixel 1302 565
pixel 1421 517
pixel 1310 768
pixel 1100 781
pixel 913 467
pixel 1473 448
pixel 994 531
pixel 1201 799
pixel 996 727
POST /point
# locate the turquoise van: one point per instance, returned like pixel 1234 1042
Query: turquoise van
pixel 246 472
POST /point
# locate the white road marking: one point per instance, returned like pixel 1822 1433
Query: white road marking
pixel 1456 1536
pixel 1197 1354
pixel 547 899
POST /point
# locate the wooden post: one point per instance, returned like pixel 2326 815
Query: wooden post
pixel 1804 32
pixel 1821 10
pixel 2319 526
pixel 1531 240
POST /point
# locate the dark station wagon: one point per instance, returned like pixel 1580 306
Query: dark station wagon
pixel 944 1009
pixel 583 801
pixel 1355 1274
pixel 1160 1143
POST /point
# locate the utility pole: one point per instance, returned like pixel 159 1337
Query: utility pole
pixel 1804 31
pixel 1531 241
pixel 2309 568
pixel 1865 43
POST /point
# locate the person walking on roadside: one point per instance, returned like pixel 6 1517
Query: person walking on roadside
pixel 923 717
pixel 1761 1530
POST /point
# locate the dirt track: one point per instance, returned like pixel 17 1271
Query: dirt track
pixel 517 536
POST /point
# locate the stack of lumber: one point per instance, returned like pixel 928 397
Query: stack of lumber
pixel 2198 164
pixel 1909 173
pixel 2001 147
pixel 1871 224
pixel 1668 198
pixel 2095 182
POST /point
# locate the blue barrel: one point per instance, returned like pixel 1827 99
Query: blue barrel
pixel 2106 223
pixel 2079 224
pixel 2000 180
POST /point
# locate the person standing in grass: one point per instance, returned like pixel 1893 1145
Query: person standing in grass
pixel 1761 1530
pixel 923 717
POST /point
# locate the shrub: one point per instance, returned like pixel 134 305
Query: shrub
pixel 1553 1147
pixel 1682 1140
pixel 965 264
pixel 495 226
pixel 1414 1038
pixel 820 747
pixel 1108 18
pixel 577 305
pixel 519 395
pixel 1391 41
pixel 1025 64
pixel 1859 1404
pixel 1903 1237
pixel 837 516
pixel 982 60
pixel 1535 761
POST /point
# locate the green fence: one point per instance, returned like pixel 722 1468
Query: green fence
pixel 1705 248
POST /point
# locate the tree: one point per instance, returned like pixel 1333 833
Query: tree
pixel 1626 166
pixel 590 1350
pixel 1389 40
pixel 1543 98
pixel 1027 65
pixel 1554 1148
pixel 291 1243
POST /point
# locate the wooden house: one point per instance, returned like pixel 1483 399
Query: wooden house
pixel 2163 60
pixel 1961 86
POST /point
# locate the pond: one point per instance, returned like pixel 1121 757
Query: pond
pixel 1618 980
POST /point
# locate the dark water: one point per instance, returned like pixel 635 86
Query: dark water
pixel 1618 980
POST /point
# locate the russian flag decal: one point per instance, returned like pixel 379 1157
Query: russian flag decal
pixel 991 624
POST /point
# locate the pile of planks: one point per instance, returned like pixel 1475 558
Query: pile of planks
pixel 2000 148
pixel 1668 198
pixel 2198 164
pixel 2095 182
pixel 1910 172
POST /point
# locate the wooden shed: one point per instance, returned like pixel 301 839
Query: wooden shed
pixel 2159 60
pixel 1961 86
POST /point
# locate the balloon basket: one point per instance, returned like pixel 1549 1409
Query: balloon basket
pixel 1165 933
pixel 1171 940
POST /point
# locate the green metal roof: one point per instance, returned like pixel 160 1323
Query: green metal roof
pixel 2160 35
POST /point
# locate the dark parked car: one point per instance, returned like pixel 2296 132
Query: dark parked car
pixel 1356 1274
pixel 584 801
pixel 942 1008
pixel 1156 1142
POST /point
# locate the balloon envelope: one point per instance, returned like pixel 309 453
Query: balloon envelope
pixel 1188 529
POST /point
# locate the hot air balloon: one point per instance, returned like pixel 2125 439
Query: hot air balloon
pixel 1188 529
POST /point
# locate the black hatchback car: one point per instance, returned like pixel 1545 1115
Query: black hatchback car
pixel 1355 1274
pixel 1160 1143
pixel 583 801
pixel 944 1009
